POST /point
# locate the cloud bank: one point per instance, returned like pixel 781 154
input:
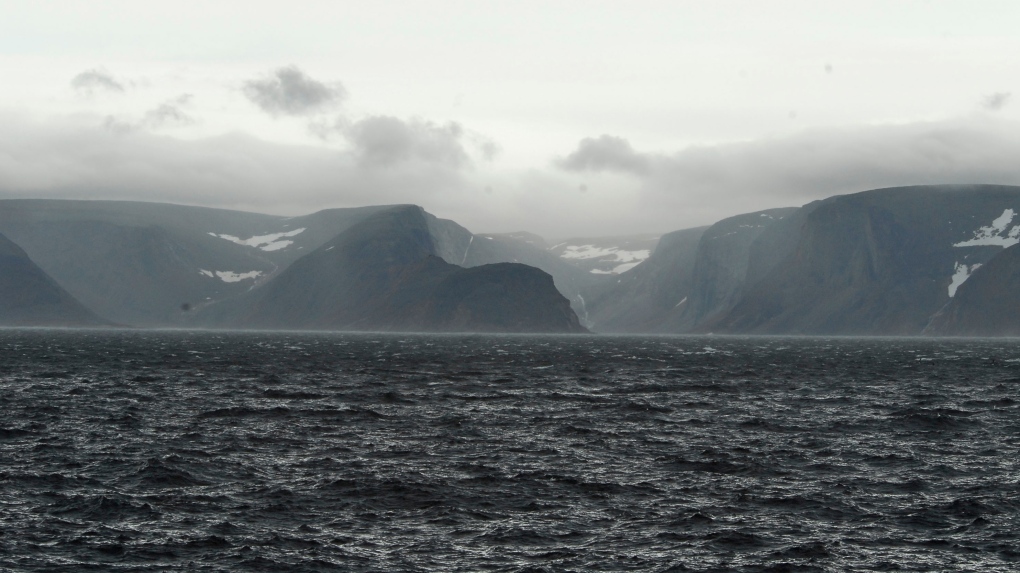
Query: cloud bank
pixel 706 183
pixel 604 186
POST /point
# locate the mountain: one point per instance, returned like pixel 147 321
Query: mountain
pixel 649 297
pixel 29 297
pixel 987 303
pixel 880 262
pixel 529 249
pixel 692 276
pixel 722 264
pixel 150 264
pixel 384 273
pixel 158 265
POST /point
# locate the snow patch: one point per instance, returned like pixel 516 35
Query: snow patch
pixel 232 277
pixel 960 276
pixel 593 252
pixel 996 234
pixel 269 242
pixel 625 267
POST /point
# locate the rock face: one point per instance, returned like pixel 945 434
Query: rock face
pixel 692 276
pixel 651 296
pixel 142 264
pixel 158 265
pixel 528 249
pixel 29 297
pixel 719 276
pixel 881 262
pixel 384 273
pixel 987 303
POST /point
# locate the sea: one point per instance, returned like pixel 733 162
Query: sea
pixel 254 451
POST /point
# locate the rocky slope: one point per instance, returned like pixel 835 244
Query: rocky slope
pixel 29 297
pixel 384 273
pixel 987 303
pixel 880 262
pixel 651 296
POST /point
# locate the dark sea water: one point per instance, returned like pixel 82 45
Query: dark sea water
pixel 167 451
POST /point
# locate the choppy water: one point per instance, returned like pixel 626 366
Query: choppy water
pixel 126 451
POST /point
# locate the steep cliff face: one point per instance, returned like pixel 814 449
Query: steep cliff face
pixel 880 262
pixel 650 297
pixel 692 276
pixel 987 303
pixel 384 274
pixel 719 274
pixel 142 264
pixel 29 297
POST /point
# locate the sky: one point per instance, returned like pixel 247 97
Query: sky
pixel 564 118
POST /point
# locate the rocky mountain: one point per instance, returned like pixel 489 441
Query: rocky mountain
pixel 899 261
pixel 158 265
pixel 881 262
pixel 385 273
pixel 692 276
pixel 29 297
pixel 150 264
pixel 986 303
pixel 650 297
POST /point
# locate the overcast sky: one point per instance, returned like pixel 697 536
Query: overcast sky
pixel 565 118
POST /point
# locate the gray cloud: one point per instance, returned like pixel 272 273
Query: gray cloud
pixel 487 147
pixel 385 141
pixel 741 177
pixel 169 114
pixel 91 81
pixel 995 101
pixel 83 157
pixel 605 153
pixel 289 91
pixel 79 157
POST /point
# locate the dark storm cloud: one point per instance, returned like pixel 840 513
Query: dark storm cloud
pixel 384 141
pixel 605 153
pixel 91 81
pixel 995 101
pixel 289 91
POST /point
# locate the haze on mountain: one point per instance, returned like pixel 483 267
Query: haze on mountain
pixel 565 120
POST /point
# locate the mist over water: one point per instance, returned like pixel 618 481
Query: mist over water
pixel 152 451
